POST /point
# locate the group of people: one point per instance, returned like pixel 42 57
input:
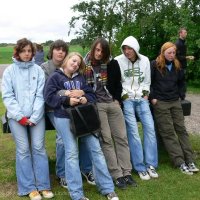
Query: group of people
pixel 122 88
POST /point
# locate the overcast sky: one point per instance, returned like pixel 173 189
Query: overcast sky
pixel 37 20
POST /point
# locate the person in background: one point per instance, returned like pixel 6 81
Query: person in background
pixel 136 79
pixel 167 88
pixel 104 76
pixel 181 47
pixel 22 93
pixel 69 77
pixel 39 54
pixel 57 53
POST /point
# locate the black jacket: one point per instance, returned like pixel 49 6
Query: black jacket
pixel 181 52
pixel 114 85
pixel 169 86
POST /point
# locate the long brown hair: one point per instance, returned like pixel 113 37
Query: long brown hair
pixel 105 49
pixel 19 47
pixel 160 60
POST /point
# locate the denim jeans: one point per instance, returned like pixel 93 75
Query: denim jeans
pixel 32 166
pixel 85 161
pixel 60 150
pixel 72 171
pixel 141 159
pixel 84 156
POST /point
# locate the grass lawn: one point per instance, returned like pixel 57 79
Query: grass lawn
pixel 171 184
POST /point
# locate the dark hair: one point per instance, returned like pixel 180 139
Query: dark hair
pixel 19 47
pixel 105 49
pixel 57 45
pixel 181 29
pixel 38 47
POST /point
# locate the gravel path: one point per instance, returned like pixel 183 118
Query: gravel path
pixel 192 122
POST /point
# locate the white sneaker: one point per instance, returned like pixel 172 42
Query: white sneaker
pixel 184 169
pixel 144 176
pixel 192 167
pixel 35 195
pixel 152 172
pixel 48 194
pixel 112 196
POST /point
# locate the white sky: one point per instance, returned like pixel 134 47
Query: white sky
pixel 37 20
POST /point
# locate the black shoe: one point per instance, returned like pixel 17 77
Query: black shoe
pixel 63 183
pixel 120 183
pixel 89 177
pixel 130 181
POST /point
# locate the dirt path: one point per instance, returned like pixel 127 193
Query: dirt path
pixel 192 122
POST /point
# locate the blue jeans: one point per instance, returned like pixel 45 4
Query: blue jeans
pixel 72 171
pixel 84 156
pixel 141 159
pixel 32 166
pixel 85 161
pixel 60 150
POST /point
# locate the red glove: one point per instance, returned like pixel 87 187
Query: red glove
pixel 23 121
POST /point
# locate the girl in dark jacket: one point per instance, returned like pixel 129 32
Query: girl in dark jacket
pixel 167 88
pixel 69 81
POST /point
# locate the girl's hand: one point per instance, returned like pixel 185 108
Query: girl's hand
pixel 30 123
pixel 83 100
pixel 74 101
pixel 154 101
pixel 76 93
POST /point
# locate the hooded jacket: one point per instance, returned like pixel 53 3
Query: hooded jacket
pixel 136 77
pixel 22 91
pixel 58 81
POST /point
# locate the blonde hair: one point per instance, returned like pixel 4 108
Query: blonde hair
pixel 82 64
pixel 160 60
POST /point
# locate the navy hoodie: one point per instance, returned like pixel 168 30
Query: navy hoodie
pixel 59 81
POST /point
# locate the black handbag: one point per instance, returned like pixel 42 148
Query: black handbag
pixel 186 106
pixel 4 122
pixel 84 119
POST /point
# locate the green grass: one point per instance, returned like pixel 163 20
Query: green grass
pixel 7 52
pixel 171 184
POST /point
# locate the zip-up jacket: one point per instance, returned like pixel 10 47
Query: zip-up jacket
pixel 59 81
pixel 22 91
pixel 169 86
pixel 135 76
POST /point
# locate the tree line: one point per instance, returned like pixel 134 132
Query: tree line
pixel 152 22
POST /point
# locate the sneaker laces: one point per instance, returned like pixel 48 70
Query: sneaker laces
pixel 90 176
pixel 184 167
pixel 111 195
pixel 152 170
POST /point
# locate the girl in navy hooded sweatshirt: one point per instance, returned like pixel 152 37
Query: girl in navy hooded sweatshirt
pixel 64 88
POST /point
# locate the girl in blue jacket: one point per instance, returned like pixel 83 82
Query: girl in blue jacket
pixel 69 82
pixel 22 92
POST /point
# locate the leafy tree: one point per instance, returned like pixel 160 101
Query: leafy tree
pixel 99 19
pixel 152 22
